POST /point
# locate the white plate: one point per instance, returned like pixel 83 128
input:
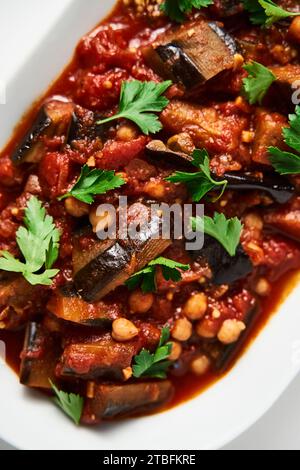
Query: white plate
pixel 36 40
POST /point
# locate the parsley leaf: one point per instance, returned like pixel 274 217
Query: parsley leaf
pixel 38 242
pixel 176 9
pixel 154 365
pixel 93 182
pixel 266 12
pixel 258 82
pixel 287 163
pixel 200 183
pixel 146 277
pixel 258 15
pixel 292 133
pixel 138 101
pixel 226 231
pixel 70 403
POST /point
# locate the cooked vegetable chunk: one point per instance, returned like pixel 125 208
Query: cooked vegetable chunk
pixel 286 219
pixel 226 269
pixel 217 128
pixel 101 358
pixel 268 133
pixel 53 120
pixel 112 401
pixel 68 305
pixel 18 301
pixel 113 266
pixel 193 53
pixel 287 78
pixel 39 357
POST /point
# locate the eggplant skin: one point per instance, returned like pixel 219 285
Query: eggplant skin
pixel 192 54
pixel 104 358
pixel 40 356
pixel 67 305
pixel 225 268
pixel 278 187
pixel 182 67
pixel 101 271
pixel 53 119
pixel 116 401
pixel 84 127
pixel 41 123
pixel 112 267
pixel 158 151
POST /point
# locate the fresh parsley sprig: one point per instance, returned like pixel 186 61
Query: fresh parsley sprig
pixel 92 182
pixel 147 276
pixel 138 103
pixel 266 12
pixel 39 244
pixel 200 183
pixel 70 403
pixel 258 82
pixel 288 163
pixel 176 9
pixel 154 365
pixel 225 231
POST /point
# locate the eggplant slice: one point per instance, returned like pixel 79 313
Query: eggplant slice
pixel 116 401
pixel 84 125
pixel 193 53
pixel 40 356
pixel 103 358
pixel 67 305
pixel 112 267
pixel 278 187
pixel 53 120
pixel 226 269
pixel 19 300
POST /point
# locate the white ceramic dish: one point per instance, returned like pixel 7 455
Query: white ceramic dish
pixel 44 36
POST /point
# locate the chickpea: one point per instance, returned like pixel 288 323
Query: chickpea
pixel 230 331
pixel 76 208
pixel 90 390
pixel 263 287
pixel 196 306
pixel 294 30
pixel 238 61
pixel 127 373
pixel 140 302
pixel 248 137
pixel 254 221
pixel 126 133
pixel 124 330
pixel 181 143
pixel 206 328
pixel 100 221
pixel 176 351
pixel 200 365
pixel 155 189
pixel 182 329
